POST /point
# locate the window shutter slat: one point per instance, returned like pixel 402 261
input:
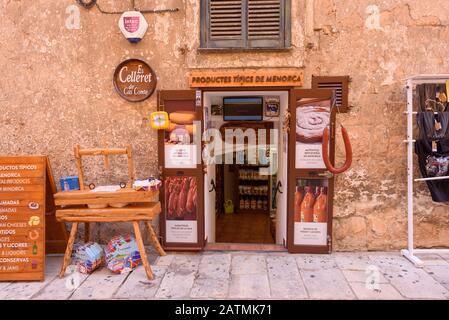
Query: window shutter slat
pixel 225 19
pixel 264 19
pixel 340 85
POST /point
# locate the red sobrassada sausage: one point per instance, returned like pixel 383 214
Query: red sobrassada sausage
pixel 348 150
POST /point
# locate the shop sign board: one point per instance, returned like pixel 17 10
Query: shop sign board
pixel 22 218
pixel 261 77
pixel 134 80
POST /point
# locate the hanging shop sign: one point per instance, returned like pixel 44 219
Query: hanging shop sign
pixel 22 218
pixel 134 80
pixel 133 26
pixel 263 77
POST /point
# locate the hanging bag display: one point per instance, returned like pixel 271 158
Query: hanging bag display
pixel 437 166
pixel 434 126
pixel 432 145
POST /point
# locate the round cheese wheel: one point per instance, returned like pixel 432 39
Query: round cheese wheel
pixel 182 117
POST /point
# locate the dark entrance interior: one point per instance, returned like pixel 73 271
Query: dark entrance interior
pixel 252 219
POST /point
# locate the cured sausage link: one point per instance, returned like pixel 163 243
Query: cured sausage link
pixel 348 150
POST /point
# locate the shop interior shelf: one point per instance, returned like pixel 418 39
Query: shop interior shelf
pixel 254 181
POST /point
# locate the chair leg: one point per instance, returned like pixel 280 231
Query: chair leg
pixel 68 250
pixel 143 254
pixel 154 240
pixel 86 232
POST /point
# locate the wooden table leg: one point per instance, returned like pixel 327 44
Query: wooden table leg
pixel 86 232
pixel 68 250
pixel 154 239
pixel 143 254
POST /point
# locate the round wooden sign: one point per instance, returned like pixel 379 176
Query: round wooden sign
pixel 134 80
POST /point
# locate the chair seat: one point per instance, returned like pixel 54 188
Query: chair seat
pixel 138 212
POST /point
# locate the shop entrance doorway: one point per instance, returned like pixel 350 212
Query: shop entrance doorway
pixel 249 211
pixel 247 204
pixel 264 188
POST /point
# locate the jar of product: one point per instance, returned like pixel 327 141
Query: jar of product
pixel 265 204
pixel 259 204
pixel 253 203
pixel 247 203
pixel 242 203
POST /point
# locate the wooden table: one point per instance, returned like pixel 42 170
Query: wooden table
pixel 72 207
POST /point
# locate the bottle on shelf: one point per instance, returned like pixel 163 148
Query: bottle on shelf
pixel 247 203
pixel 320 207
pixel 253 203
pixel 242 203
pixel 259 203
pixel 265 204
pixel 307 205
pixel 317 191
pixel 299 195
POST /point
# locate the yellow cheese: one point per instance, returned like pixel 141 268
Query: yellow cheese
pixel 182 117
pixel 188 127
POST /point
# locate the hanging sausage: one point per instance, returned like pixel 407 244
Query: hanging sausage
pixel 348 150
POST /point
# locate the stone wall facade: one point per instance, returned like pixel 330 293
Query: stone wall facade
pixel 56 91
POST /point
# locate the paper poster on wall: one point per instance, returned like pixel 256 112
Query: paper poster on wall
pixel 180 148
pixel 180 156
pixel 312 117
pixel 181 231
pixel 181 209
pixel 311 212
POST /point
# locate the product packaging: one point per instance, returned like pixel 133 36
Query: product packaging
pixel 148 184
pixel 69 183
pixel 122 254
pixel 87 257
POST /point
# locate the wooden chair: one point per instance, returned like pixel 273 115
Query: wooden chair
pixel 142 207
pixel 105 153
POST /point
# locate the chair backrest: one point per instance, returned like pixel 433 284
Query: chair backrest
pixel 106 153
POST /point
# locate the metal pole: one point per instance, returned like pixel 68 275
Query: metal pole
pixel 410 165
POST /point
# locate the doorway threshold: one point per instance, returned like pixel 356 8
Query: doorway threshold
pixel 244 247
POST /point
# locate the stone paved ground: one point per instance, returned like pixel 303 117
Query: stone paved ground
pixel 252 275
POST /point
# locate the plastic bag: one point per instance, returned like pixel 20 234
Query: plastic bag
pixel 437 166
pixel 88 257
pixel 122 254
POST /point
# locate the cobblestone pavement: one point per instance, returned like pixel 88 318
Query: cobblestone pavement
pixel 251 275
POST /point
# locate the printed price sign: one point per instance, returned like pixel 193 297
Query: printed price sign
pixel 22 218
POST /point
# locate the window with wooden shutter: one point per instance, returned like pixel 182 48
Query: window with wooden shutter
pixel 340 85
pixel 245 24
